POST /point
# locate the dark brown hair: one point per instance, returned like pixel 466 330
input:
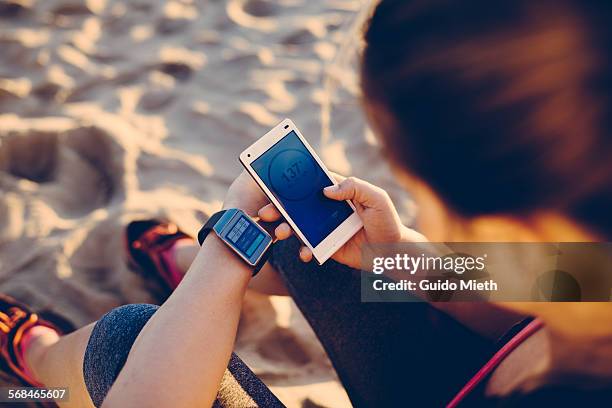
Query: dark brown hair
pixel 500 106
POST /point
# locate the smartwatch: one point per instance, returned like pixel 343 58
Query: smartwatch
pixel 242 234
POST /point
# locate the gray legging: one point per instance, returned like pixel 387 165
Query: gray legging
pixel 385 354
pixel 112 339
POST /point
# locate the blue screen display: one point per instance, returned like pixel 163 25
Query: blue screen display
pixel 245 236
pixel 297 181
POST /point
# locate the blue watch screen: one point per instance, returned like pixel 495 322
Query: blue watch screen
pixel 245 236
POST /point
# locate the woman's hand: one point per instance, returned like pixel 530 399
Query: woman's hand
pixel 381 222
pixel 246 195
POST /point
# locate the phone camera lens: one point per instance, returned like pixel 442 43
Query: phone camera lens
pixel 286 126
pixel 248 155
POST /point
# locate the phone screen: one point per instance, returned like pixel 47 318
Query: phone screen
pixel 297 181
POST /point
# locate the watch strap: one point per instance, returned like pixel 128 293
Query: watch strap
pixel 209 225
pixel 263 260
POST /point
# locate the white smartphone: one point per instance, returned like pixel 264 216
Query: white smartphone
pixel 293 177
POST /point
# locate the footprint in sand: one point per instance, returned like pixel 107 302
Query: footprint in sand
pixel 71 8
pixel 32 156
pixel 167 26
pixel 260 8
pixel 76 171
pixel 253 14
pixel 46 91
pixel 178 70
pixel 302 36
pixel 12 9
pixel 102 154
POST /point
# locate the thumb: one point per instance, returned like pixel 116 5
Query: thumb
pixel 350 188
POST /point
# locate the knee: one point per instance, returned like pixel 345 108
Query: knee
pixel 109 345
pixel 121 324
pixel 126 317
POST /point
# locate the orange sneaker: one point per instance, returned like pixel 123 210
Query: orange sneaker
pixel 15 320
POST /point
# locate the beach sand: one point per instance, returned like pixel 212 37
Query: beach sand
pixel 117 110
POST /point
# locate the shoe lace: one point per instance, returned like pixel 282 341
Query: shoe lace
pixel 10 317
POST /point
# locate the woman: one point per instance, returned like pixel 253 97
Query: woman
pixel 496 117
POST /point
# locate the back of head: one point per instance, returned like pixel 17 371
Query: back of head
pixel 502 107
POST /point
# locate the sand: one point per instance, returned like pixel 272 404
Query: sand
pixel 117 110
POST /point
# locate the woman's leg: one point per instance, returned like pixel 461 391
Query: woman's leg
pixel 384 353
pixel 89 360
pixel 58 362
pixel 111 341
pixel 46 357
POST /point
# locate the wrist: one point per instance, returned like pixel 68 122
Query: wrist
pixel 216 252
pixel 249 209
pixel 410 235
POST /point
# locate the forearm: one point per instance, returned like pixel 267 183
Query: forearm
pixel 180 355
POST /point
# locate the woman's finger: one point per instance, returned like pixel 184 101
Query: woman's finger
pixel 305 254
pixel 269 213
pixel 283 231
pixel 357 190
pixel 338 177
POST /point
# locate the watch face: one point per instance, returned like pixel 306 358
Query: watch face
pixel 247 238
